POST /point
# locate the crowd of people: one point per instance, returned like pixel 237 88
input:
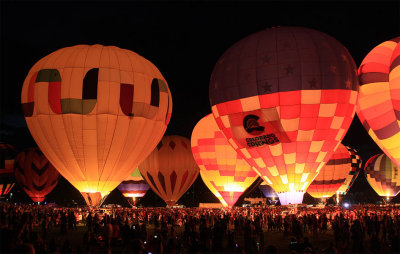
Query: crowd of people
pixel 46 229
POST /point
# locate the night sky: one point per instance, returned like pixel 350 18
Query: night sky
pixel 183 39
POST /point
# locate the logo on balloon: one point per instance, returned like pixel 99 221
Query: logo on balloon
pixel 251 125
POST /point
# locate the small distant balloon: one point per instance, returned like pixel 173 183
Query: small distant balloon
pixel 133 187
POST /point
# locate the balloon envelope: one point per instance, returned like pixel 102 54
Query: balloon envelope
pixel 383 175
pixel 134 186
pixel 96 112
pixel 284 98
pixel 332 176
pixel 7 157
pixel 378 104
pixel 35 174
pixel 356 163
pixel 170 169
pixel 220 165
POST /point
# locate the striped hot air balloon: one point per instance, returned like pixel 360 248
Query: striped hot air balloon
pixel 170 169
pixel 284 98
pixel 133 187
pixel 220 165
pixel 378 106
pixel 332 176
pixel 7 156
pixel 383 175
pixel 356 163
pixel 35 174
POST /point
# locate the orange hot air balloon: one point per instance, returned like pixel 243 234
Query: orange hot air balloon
pixel 284 98
pixel 96 112
pixel 170 169
pixel 7 156
pixel 220 165
pixel 332 176
pixel 383 175
pixel 356 163
pixel 133 187
pixel 35 174
pixel 378 105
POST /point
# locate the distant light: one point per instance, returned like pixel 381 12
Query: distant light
pixel 346 205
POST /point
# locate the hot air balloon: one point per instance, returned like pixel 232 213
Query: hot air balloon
pixel 96 112
pixel 7 156
pixel 355 170
pixel 284 98
pixel 383 175
pixel 133 187
pixel 378 105
pixel 268 193
pixel 170 169
pixel 220 165
pixel 35 174
pixel 332 176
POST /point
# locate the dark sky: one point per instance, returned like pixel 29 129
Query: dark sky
pixel 183 39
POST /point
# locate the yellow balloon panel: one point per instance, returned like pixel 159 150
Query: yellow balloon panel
pixel 170 169
pixel 96 112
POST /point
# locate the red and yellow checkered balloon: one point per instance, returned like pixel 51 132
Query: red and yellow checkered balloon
pixel 284 98
pixel 378 106
pixel 222 169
